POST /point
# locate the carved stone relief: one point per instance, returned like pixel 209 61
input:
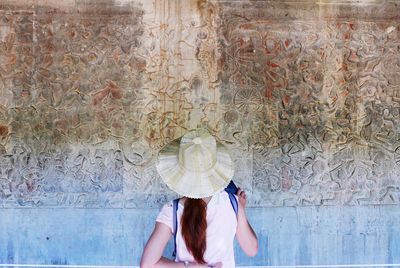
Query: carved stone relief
pixel 305 97
pixel 325 131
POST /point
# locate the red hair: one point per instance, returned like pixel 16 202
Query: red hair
pixel 194 225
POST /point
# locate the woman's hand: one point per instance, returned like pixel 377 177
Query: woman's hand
pixel 215 265
pixel 242 197
pixel 245 234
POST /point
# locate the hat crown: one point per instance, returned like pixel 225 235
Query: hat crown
pixel 197 151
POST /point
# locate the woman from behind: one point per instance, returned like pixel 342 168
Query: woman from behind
pixel 205 221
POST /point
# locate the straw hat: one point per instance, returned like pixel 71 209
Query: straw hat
pixel 195 165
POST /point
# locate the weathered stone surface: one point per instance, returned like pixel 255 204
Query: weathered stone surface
pixel 326 128
pixel 304 94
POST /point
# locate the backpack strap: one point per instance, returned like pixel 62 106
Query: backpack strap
pixel 174 223
pixel 234 202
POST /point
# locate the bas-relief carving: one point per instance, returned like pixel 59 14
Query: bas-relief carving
pixel 309 110
pixel 71 106
pixel 326 129
pixel 108 88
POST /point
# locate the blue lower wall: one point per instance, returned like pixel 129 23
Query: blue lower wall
pixel 287 235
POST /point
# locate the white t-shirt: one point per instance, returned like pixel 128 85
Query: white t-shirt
pixel 220 233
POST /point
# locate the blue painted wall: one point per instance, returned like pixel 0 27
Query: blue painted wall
pixel 287 236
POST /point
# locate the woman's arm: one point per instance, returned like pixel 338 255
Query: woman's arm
pixel 245 234
pixel 153 251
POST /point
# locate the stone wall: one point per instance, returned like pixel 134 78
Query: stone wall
pixel 316 92
pixel 305 94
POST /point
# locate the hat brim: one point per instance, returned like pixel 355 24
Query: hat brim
pixel 194 184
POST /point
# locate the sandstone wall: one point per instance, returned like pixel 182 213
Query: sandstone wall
pixel 305 94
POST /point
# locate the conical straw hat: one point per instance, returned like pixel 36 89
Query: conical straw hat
pixel 195 165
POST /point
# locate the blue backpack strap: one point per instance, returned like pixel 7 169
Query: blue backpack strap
pixel 234 202
pixel 175 222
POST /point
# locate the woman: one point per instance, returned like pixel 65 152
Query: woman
pixel 199 168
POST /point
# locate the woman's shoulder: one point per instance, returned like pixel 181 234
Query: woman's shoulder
pixel 222 199
pixel 165 215
pixel 227 195
pixel 168 205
